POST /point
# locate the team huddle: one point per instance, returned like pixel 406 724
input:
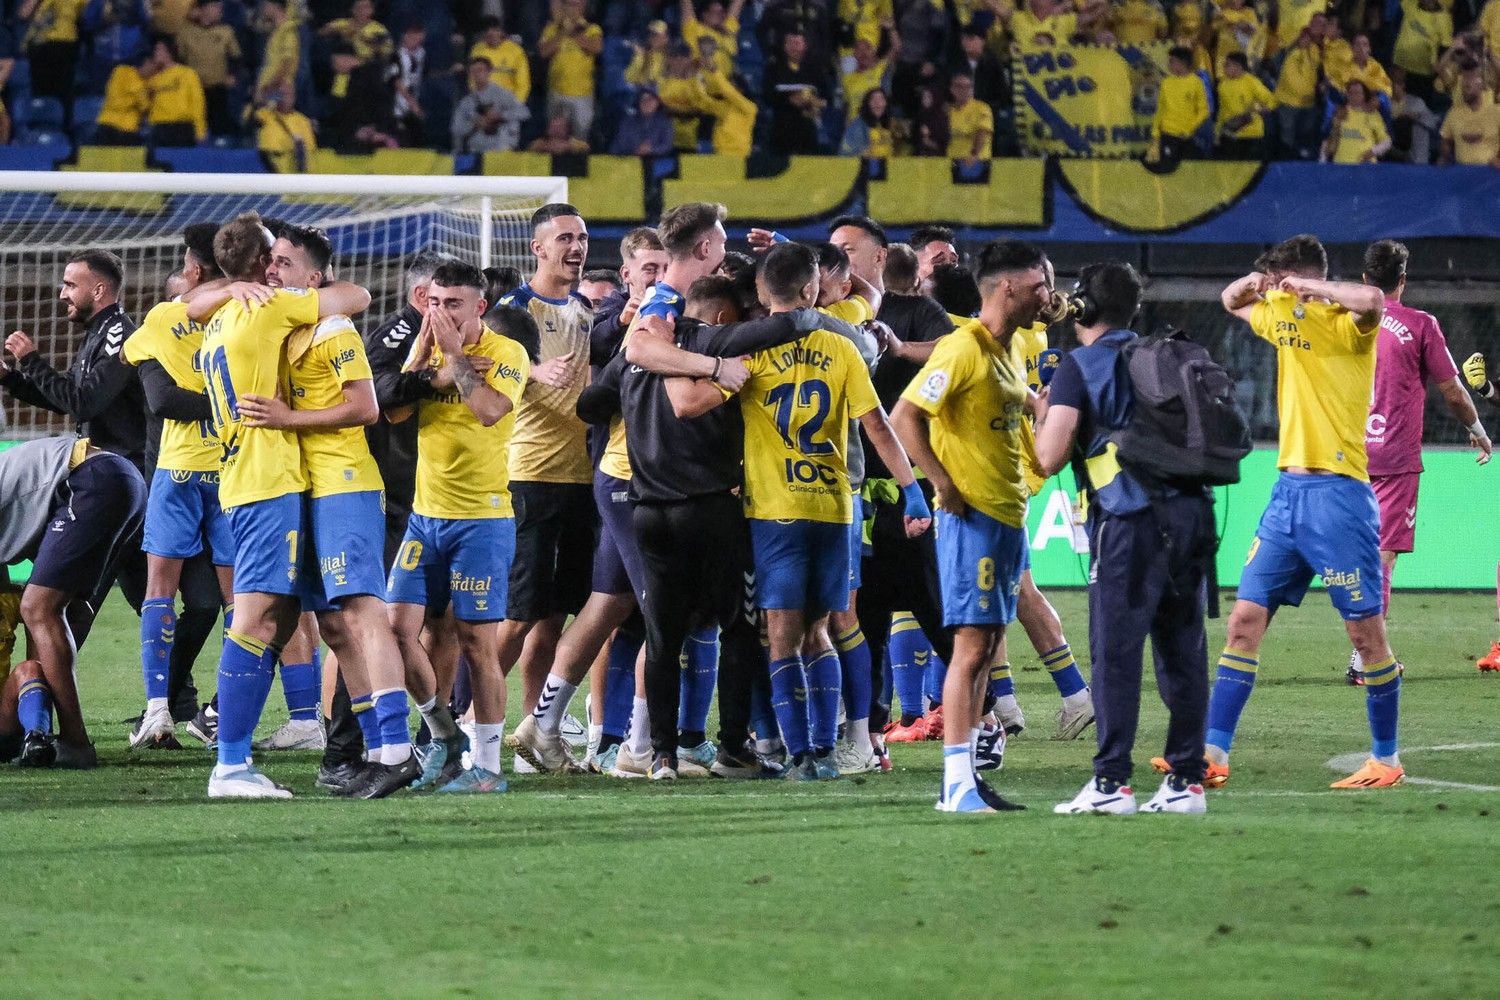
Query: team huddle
pixel 798 482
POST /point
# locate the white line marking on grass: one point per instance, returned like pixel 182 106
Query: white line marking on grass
pixel 1352 761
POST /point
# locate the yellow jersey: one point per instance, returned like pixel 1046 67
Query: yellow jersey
pixel 854 310
pixel 54 21
pixel 1181 106
pixel 126 100
pixel 1293 16
pixel 1025 26
pixel 1325 376
pixel 282 58
pixel 859 82
pixel 976 398
pixel 1297 87
pixel 549 443
pixel 964 126
pixel 1423 36
pixel 797 405
pixel 1242 95
pixel 1026 347
pixel 509 66
pixel 209 51
pixel 728 41
pixel 177 98
pixel 462 472
pixel 1139 22
pixel 1474 132
pixel 1358 135
pixel 323 359
pixel 168 337
pixel 1489 23
pixel 570 73
pixel 287 139
pixel 243 354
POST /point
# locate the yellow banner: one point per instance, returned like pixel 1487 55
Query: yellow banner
pixel 1088 100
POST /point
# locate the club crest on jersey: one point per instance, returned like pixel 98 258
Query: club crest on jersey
pixel 934 386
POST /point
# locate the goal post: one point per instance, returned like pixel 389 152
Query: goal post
pixel 375 223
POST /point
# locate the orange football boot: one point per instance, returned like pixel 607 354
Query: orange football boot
pixel 1373 775
pixel 1214 775
pixel 1490 661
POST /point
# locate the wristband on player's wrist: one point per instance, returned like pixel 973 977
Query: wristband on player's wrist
pixel 1477 428
pixel 778 238
pixel 718 366
pixel 916 503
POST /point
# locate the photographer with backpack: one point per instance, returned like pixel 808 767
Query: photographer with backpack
pixel 1144 420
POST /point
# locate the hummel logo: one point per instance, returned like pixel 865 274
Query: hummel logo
pixel 1411 517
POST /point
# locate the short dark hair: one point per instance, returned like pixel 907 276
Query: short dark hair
pixel 786 268
pixel 864 222
pixel 240 245
pixel 311 241
pixel 518 325
pixel 556 210
pixel 457 274
pixel 736 264
pixel 923 235
pixel 1385 264
pixel 198 240
pixel 105 264
pixel 487 65
pixel 422 266
pixel 1239 59
pixel 491 22
pixel 168 42
pixel 830 257
pixel 1008 256
pixel 900 267
pixel 1301 254
pixel 1182 53
pixel 1116 291
pixel 714 288
pixel 954 288
pixel 607 275
pixel 499 280
pixel 683 227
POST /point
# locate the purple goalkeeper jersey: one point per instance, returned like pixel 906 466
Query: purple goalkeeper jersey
pixel 1410 353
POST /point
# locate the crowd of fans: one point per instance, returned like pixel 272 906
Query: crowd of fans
pixel 1351 82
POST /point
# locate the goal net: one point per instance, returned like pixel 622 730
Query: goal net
pixel 374 222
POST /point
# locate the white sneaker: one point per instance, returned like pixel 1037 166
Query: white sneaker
pixel 1096 799
pixel 989 753
pixel 544 751
pixel 295 734
pixel 1187 799
pixel 519 765
pixel 155 730
pixel 466 726
pixel 629 765
pixel 1072 721
pixel 1011 719
pixel 574 733
pixel 596 733
pixel 244 783
pixel 851 758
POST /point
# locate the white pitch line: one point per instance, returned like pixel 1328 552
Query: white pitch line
pixel 1352 761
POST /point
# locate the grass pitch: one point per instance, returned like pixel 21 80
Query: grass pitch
pixel 125 881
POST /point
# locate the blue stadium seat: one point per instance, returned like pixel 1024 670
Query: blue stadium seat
pixel 44 112
pixel 44 137
pixel 86 109
pixel 20 73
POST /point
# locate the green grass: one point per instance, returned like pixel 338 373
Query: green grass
pixel 125 881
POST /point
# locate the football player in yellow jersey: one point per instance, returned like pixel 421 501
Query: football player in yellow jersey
pixel 1322 519
pixel 182 510
pixel 693 236
pixel 260 481
pixel 332 400
pixel 797 405
pixel 550 468
pixel 462 532
pixel 960 420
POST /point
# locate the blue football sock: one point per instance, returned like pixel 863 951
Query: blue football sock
pixel 619 683
pixel 34 707
pixel 789 700
pixel 909 653
pixel 1383 705
pixel 1064 670
pixel 392 714
pixel 158 629
pixel 887 689
pixel 700 672
pixel 824 683
pixel 933 677
pixel 363 708
pixel 1232 687
pixel 1001 683
pixel 301 684
pixel 762 712
pixel 854 656
pixel 246 669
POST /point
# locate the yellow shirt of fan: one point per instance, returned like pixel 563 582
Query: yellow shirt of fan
pixel 965 123
pixel 1423 36
pixel 1294 15
pixel 1026 347
pixel 1025 26
pixel 462 472
pixel 509 66
pixel 1181 107
pixel 1358 135
pixel 1139 22
pixel 1297 86
pixel 570 73
pixel 126 100
pixel 324 359
pixel 1242 95
pixel 243 354
pixel 283 57
pixel 976 399
pixel 177 98
pixel 54 21
pixel 169 338
pixel 797 405
pixel 549 443
pixel 859 82
pixel 727 39
pixel 1325 376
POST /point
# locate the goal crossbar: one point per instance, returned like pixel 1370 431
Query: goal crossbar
pixel 548 189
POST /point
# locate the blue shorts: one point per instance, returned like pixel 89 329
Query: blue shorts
pixel 617 557
pixel 1326 526
pixel 464 561
pixel 268 539
pixel 857 543
pixel 182 511
pixel 979 565
pixel 346 554
pixel 801 565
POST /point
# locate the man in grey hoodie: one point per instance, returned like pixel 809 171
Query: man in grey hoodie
pixel 488 119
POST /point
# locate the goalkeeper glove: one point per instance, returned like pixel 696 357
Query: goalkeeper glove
pixel 1474 372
